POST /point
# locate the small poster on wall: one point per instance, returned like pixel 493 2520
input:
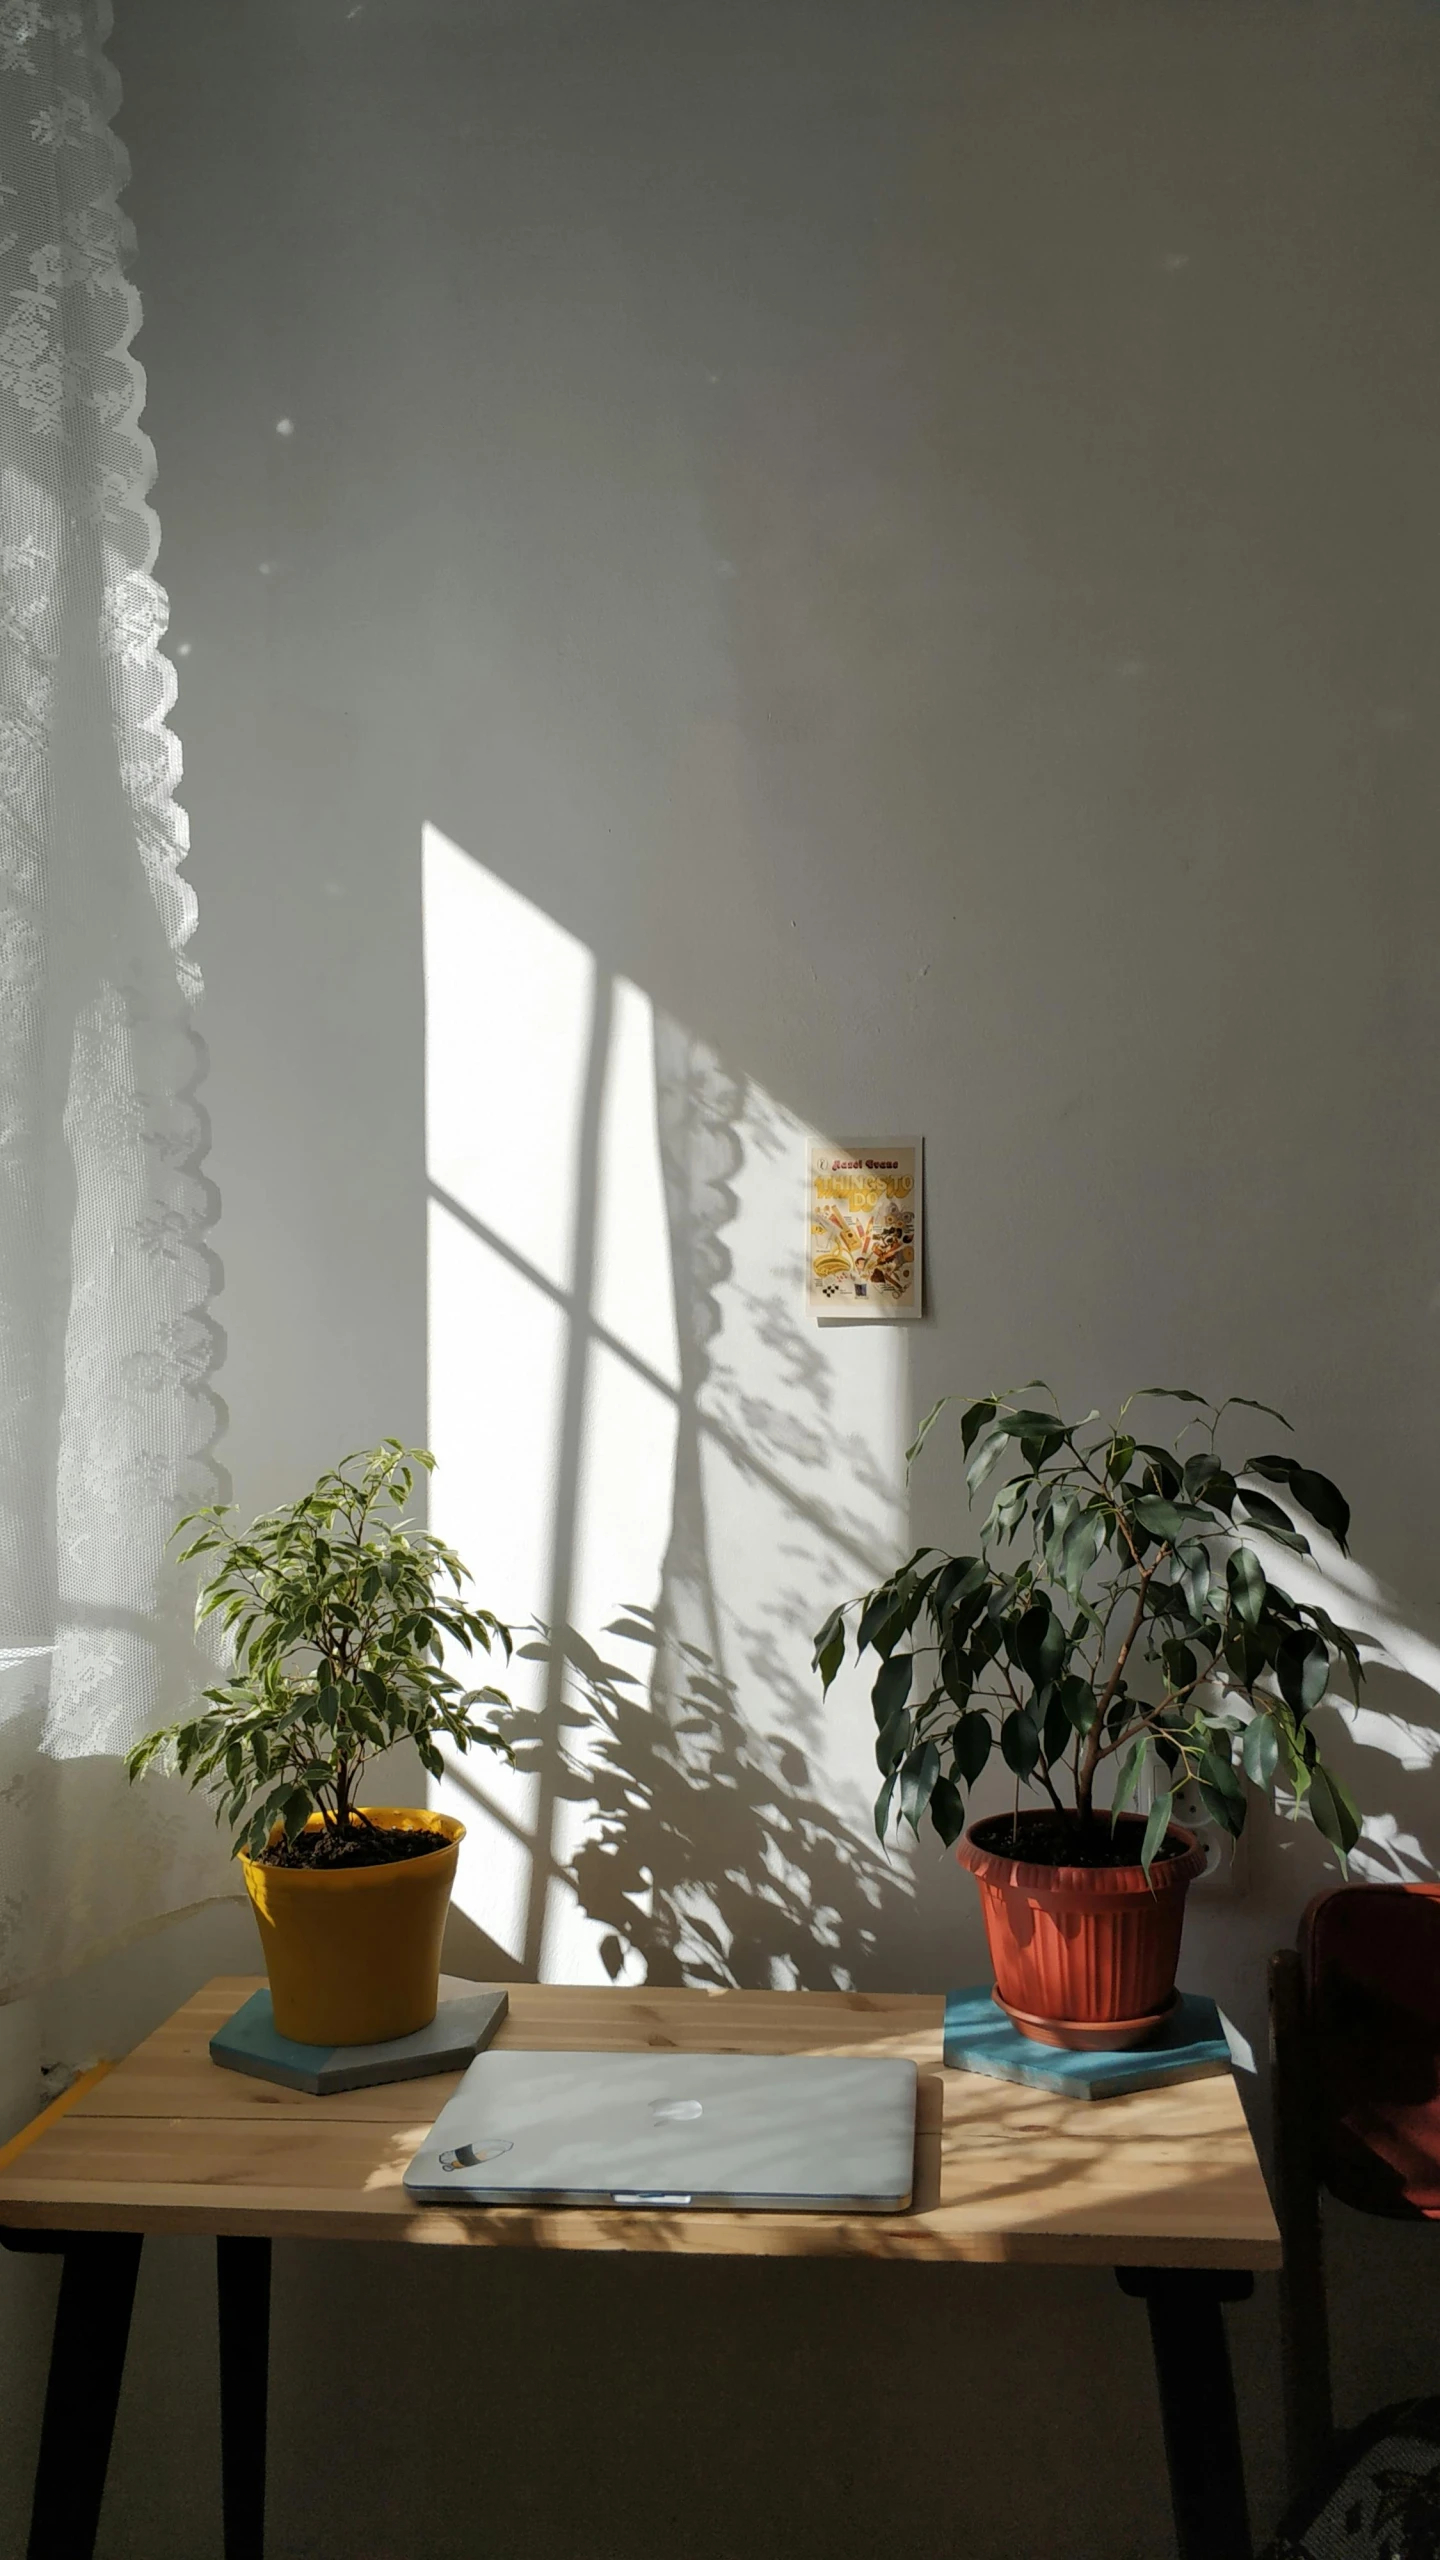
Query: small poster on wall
pixel 863 1214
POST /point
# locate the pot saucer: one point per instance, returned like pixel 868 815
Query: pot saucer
pixel 1088 2035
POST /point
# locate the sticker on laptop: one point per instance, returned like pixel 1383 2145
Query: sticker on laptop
pixel 470 2155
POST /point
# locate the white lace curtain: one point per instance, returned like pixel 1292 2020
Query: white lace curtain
pixel 106 1417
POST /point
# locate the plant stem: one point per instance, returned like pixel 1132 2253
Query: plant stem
pixel 1085 1785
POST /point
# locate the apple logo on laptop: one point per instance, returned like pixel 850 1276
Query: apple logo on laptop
pixel 676 2110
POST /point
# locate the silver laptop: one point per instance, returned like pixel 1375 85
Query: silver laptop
pixel 791 2132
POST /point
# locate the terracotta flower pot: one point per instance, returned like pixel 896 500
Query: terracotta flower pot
pixel 1083 1956
pixel 353 1953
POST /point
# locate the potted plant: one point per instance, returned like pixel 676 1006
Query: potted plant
pixel 1117 1633
pixel 338 1610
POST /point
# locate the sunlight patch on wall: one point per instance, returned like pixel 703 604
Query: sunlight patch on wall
pixel 632 1414
pixel 625 1475
pixel 496 1362
pixel 508 998
pixel 634 1284
pixel 502 1109
pixel 497 1355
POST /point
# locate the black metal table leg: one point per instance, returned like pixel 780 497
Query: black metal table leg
pixel 1197 2403
pixel 242 2270
pixel 87 2363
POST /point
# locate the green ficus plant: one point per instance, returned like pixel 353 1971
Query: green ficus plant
pixel 338 1611
pixel 1117 1623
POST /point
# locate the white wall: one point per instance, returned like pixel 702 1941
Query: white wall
pixel 893 553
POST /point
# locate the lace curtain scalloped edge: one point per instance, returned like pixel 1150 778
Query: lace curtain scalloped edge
pixel 108 1415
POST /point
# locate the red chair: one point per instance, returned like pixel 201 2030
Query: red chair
pixel 1355 2049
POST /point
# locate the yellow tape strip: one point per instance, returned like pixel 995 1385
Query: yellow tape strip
pixel 49 2115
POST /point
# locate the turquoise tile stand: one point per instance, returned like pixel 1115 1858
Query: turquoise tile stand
pixel 1192 2045
pixel 461 2027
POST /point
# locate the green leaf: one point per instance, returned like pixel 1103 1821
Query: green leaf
pixel 1324 1501
pixel 1177 1395
pixel 1193 1559
pixel 1266 1514
pixel 1260 1751
pixel 1082 1545
pixel 956 1675
pixel 1129 1778
pixel 882 1804
pixel 1120 1456
pixel 1079 1701
pixel 986 1459
pixel 975 1419
pixel 926 1427
pixel 917 1778
pixel 892 1685
pixel 1039 1643
pixel 882 1620
pixel 1245 1576
pixel 1165 1468
pixel 880 1606
pixel 1181 1667
pixel 1027 1424
pixel 1020 1742
pixel 1346 1642
pixel 984 1643
pixel 1162 1519
pixel 1302 1667
pixel 971 1743
pixel 829 1647
pixel 1332 1809
pixel 1055 1732
pixel 1252 1406
pixel 1216 1767
pixel 958 1582
pixel 1220 1790
pixel 1057 1510
pixel 892 1741
pixel 947 1810
pixel 1040 1448
pixel 1156 1827
pixel 1008 1509
pixel 1278 1470
pixel 1244 1653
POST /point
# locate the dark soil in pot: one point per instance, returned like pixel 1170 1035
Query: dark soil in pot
pixel 365 1844
pixel 1060 1842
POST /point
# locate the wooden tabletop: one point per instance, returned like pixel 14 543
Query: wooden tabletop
pixel 166 2141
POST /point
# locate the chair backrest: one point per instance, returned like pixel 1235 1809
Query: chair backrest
pixel 1371 1960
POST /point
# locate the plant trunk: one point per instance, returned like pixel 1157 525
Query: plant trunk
pixel 1085 1775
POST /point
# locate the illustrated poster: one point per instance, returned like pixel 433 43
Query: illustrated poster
pixel 863 1248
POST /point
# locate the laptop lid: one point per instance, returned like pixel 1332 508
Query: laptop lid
pixel 788 2132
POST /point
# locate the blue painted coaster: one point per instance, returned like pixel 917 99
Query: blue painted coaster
pixel 462 2026
pixel 1192 2045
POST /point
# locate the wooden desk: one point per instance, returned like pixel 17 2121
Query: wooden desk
pixel 1165 2186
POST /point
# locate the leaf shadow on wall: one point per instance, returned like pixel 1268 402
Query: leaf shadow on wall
pixel 707 1851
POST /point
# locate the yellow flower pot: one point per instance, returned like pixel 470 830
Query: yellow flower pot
pixel 353 1953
